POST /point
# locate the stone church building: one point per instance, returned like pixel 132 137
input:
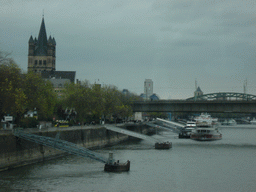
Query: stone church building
pixel 42 60
pixel 41 52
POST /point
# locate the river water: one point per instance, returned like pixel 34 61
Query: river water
pixel 225 165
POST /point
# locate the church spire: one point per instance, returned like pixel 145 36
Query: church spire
pixel 42 40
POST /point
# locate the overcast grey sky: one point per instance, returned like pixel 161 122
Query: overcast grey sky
pixel 124 42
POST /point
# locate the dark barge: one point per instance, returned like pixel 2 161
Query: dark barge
pixel 112 166
pixel 184 135
pixel 117 167
pixel 164 145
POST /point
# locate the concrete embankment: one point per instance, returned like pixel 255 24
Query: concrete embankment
pixel 15 152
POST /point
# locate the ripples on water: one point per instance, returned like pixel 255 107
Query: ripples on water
pixel 225 165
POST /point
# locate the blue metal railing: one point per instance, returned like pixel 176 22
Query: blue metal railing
pixel 61 145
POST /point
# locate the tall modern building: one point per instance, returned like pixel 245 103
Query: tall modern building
pixel 41 52
pixel 148 88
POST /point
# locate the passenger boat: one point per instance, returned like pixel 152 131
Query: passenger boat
pixel 206 129
pixel 205 120
pixel 164 145
pixel 206 134
pixel 115 166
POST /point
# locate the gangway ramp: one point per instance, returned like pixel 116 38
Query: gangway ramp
pixel 158 126
pixel 130 133
pixel 176 127
pixel 61 145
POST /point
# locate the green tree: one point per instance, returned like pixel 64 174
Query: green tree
pixel 78 96
pixel 40 95
pixel 12 96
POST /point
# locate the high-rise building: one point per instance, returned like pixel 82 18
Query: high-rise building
pixel 41 52
pixel 148 88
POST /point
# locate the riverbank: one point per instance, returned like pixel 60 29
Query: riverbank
pixel 16 152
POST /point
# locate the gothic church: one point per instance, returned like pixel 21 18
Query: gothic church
pixel 42 60
pixel 41 52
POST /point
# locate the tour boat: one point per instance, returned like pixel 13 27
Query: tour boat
pixel 164 145
pixel 206 128
pixel 205 120
pixel 206 134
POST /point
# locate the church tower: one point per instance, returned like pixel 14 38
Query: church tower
pixel 41 52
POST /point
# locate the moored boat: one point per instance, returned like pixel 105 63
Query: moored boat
pixel 205 120
pixel 206 134
pixel 164 145
pixel 185 132
pixel 115 166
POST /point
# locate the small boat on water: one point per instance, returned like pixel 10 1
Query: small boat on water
pixel 229 122
pixel 253 121
pixel 164 145
pixel 115 166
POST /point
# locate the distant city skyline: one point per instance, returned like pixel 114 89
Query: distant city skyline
pixel 122 43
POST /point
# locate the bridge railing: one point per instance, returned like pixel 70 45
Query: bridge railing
pixel 61 145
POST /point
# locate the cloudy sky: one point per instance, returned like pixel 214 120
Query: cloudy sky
pixel 124 42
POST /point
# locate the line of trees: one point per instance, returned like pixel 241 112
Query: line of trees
pixel 21 92
pixel 93 102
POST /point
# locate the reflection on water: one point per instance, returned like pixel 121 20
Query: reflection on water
pixel 224 165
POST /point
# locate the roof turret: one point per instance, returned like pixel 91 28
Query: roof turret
pixel 198 89
pixel 50 39
pixel 31 41
pixel 53 41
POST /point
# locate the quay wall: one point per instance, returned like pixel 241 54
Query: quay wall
pixel 16 152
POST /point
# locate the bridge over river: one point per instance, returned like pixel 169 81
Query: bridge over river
pixel 213 106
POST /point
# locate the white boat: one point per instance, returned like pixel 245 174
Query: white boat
pixel 206 134
pixel 253 121
pixel 190 125
pixel 229 122
pixel 205 120
pixel 206 129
